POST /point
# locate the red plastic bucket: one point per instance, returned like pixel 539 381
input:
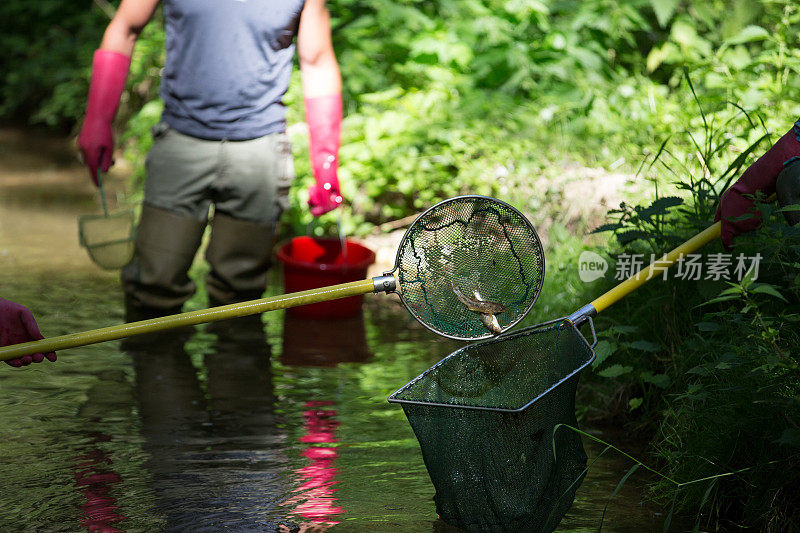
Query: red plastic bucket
pixel 311 263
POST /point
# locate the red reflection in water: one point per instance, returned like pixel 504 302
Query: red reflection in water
pixel 315 499
pixel 94 479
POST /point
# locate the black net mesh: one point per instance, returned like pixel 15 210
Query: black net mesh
pixel 484 417
pixel 479 246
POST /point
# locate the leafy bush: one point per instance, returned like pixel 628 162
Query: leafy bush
pixel 710 367
pixel 455 96
pixel 46 61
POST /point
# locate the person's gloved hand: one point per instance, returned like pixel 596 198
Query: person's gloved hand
pixel 760 176
pixel 96 142
pixel 324 118
pixel 18 325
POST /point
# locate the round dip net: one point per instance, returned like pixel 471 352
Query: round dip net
pixel 470 267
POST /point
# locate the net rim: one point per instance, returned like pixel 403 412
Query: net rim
pixel 544 326
pixel 84 220
pixel 537 290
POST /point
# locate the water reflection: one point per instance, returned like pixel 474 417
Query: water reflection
pixel 315 499
pixel 308 342
pixel 95 479
pixel 94 470
pixel 320 343
pixel 215 450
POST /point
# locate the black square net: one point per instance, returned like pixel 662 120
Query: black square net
pixel 484 417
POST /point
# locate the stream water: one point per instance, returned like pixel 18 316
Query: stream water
pixel 258 424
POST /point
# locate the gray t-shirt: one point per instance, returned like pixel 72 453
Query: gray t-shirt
pixel 228 66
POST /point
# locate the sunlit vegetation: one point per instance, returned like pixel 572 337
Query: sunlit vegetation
pixel 497 97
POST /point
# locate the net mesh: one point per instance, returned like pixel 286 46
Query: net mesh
pixel 480 247
pixel 484 417
pixel 108 239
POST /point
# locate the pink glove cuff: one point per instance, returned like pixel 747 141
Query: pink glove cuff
pixel 324 118
pixel 109 71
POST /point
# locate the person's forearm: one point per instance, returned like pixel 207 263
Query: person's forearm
pixel 120 37
pixel 321 78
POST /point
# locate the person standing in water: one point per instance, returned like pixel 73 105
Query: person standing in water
pixel 221 141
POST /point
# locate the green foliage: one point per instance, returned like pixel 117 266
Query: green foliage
pixel 739 401
pixel 46 60
pixel 726 353
pixel 453 97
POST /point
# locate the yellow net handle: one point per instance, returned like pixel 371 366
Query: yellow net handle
pixel 656 267
pixel 190 318
pixel 660 265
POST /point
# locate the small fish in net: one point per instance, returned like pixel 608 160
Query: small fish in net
pixel 486 310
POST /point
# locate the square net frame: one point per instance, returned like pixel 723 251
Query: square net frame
pixel 485 417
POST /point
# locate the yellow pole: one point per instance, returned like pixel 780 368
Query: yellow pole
pixel 655 268
pixel 191 318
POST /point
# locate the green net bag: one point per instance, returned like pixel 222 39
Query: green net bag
pixel 485 418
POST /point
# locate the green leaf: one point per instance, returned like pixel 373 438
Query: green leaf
pixel 749 34
pixel 708 326
pixel 662 54
pixel 659 380
pixel 607 227
pixel 615 371
pixel 645 346
pixel 790 208
pixel 664 10
pixel 627 237
pixel 765 288
pixel 633 403
pixel 662 206
pixel 602 351
pixel 748 278
pixel 721 299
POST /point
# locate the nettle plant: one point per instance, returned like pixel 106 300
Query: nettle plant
pixel 734 418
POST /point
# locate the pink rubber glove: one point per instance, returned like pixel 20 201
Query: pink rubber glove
pixel 324 118
pixel 109 70
pixel 18 325
pixel 760 176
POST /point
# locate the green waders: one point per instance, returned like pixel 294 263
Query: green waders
pixel 247 182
